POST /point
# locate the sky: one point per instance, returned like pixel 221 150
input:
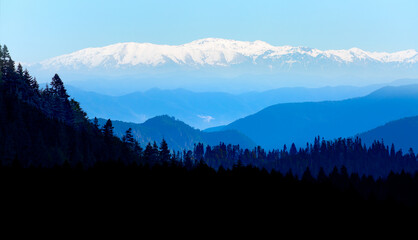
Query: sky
pixel 35 30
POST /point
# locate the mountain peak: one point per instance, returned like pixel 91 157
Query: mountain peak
pixel 217 52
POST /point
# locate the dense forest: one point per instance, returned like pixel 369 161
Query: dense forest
pixel 44 134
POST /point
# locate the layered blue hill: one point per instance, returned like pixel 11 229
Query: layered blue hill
pixel 403 133
pixel 178 135
pixel 202 109
pixel 282 124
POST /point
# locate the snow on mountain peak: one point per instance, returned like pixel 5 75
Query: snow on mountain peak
pixel 214 52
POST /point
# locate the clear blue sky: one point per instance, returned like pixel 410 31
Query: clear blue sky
pixel 38 29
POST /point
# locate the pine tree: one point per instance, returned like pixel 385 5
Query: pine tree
pixel 1 62
pixel 27 78
pixel 164 151
pixel 1 67
pixel 188 161
pixel 58 88
pixel 155 152
pixel 78 115
pixel 34 84
pixel 96 123
pixel 128 138
pixel 19 71
pixel 30 81
pixel 108 129
pixel 8 65
pixel 137 149
pixel 148 153
pixel 293 150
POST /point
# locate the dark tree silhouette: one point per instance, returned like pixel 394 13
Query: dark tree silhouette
pixel 165 155
pixel 57 87
pixel 108 129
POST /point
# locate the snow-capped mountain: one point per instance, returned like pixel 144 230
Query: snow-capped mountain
pixel 223 65
pixel 218 52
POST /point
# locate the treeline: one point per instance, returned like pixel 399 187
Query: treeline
pixel 376 160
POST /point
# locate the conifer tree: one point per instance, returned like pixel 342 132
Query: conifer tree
pixel 8 68
pixel 148 153
pixel 137 149
pixel 164 151
pixel 293 150
pixel 155 152
pixel 128 137
pixel 188 161
pixel 30 82
pixel 58 88
pixel 108 129
pixel 19 71
pixel 96 123
pixel 78 116
pixel 34 85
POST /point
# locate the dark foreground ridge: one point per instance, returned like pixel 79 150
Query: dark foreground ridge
pixel 241 186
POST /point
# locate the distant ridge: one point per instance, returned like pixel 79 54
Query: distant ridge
pixel 202 109
pixel 403 133
pixel 178 135
pixel 218 52
pixel 282 124
pixel 215 64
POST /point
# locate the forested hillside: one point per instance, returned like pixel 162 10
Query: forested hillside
pixel 177 134
pixel 44 127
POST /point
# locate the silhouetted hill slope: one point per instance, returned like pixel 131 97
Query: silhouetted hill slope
pixel 403 133
pixel 31 138
pixel 177 134
pixel 202 109
pixel 300 122
pixel 45 128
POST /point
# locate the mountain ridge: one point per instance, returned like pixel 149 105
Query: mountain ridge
pixel 402 133
pixel 215 52
pixel 299 122
pixel 224 65
pixel 178 134
pixel 202 109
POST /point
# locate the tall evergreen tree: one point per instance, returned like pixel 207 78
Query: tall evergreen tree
pixel 58 88
pixel 78 116
pixel 148 153
pixel 128 138
pixel 138 149
pixel 30 81
pixel 8 65
pixel 96 123
pixel 164 151
pixel 108 129
pixel 155 152
pixel 19 71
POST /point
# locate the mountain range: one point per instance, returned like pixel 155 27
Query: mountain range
pixel 223 64
pixel 299 123
pixel 202 109
pixel 177 134
pixel 216 52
